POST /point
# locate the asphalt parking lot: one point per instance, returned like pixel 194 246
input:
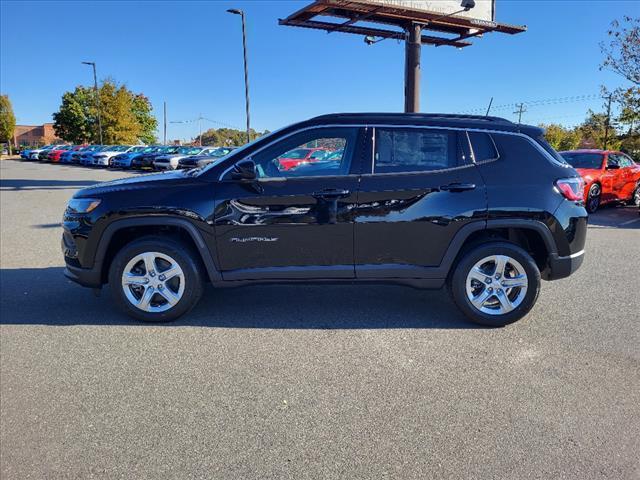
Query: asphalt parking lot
pixel 320 382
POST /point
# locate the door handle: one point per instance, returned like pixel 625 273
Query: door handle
pixel 331 193
pixel 457 187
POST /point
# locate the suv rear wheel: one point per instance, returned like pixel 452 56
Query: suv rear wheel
pixel 495 284
pixel 155 280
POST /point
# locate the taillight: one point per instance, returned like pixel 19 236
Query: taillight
pixel 571 188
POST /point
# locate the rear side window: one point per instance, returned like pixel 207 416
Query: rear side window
pixel 484 148
pixel 414 150
pixel 550 150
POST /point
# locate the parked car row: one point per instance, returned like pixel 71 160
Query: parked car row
pixel 139 157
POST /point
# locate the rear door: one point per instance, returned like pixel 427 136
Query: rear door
pixel 417 190
pixel 292 222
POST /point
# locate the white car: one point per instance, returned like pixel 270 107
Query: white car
pixel 33 154
pixel 170 162
pixel 102 158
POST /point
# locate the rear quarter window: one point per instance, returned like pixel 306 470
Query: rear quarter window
pixel 484 148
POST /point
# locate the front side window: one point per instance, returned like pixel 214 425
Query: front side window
pixel 612 160
pixel 293 156
pixel 414 150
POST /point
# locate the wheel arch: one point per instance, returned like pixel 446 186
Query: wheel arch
pixel 123 231
pixel 532 235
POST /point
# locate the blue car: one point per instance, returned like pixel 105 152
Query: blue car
pixel 123 160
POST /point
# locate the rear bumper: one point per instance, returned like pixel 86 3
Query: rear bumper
pixel 562 267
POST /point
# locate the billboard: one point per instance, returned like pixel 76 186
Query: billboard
pixel 484 10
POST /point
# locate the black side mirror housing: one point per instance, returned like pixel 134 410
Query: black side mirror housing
pixel 244 170
pixel 613 167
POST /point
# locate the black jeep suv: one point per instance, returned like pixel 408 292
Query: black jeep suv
pixel 479 204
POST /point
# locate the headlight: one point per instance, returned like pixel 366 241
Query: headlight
pixel 83 205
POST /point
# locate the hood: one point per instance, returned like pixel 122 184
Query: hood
pixel 588 172
pixel 152 180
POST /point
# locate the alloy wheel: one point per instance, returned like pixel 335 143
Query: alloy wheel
pixel 153 282
pixel 593 202
pixel 496 285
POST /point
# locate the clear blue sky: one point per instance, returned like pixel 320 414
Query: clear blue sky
pixel 189 55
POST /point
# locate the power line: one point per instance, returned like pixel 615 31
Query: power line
pixel 538 103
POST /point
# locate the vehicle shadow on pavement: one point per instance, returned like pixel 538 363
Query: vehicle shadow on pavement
pixel 43 296
pixel 616 216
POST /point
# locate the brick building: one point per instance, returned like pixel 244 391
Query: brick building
pixel 35 135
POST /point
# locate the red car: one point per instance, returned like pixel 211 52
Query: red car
pixel 54 154
pixel 609 176
pixel 300 156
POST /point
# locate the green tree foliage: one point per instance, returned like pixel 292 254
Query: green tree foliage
pixel 593 132
pixel 227 137
pixel 7 120
pixel 76 120
pixel 126 117
pixel 142 110
pixel 561 138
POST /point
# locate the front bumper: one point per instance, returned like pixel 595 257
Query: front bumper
pixel 562 267
pixel 87 277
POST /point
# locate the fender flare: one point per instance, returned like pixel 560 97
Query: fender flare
pixel 465 232
pixel 159 221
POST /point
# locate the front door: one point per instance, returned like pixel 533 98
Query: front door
pixel 420 189
pixel 292 222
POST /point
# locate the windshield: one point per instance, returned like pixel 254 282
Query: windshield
pixel 170 149
pixel 139 149
pixel 583 160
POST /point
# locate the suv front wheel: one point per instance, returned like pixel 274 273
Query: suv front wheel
pixel 155 279
pixel 495 284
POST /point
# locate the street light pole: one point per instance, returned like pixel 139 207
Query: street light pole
pixel 236 11
pixel 95 85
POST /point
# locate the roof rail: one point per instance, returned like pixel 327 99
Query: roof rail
pixel 449 116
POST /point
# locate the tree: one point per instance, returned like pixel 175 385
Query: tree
pixel 622 53
pixel 593 131
pixel 7 121
pixel 225 137
pixel 76 120
pixel 126 116
pixel 148 124
pixel 119 124
pixel 561 138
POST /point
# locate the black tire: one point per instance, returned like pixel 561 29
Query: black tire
pixel 458 283
pixel 635 198
pixel 183 256
pixel 593 198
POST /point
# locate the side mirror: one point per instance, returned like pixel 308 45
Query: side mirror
pixel 613 166
pixel 244 170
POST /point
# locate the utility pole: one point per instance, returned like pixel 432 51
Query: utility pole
pixel 413 47
pixel 165 124
pixel 236 11
pixel 95 86
pixel 200 129
pixel 520 111
pixel 607 123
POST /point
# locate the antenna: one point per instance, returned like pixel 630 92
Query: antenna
pixel 489 107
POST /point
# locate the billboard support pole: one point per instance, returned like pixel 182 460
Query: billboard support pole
pixel 413 47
